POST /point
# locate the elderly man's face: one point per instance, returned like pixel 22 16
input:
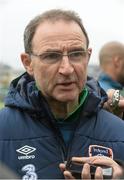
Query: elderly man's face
pixel 59 78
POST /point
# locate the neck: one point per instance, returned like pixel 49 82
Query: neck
pixel 111 72
pixel 62 109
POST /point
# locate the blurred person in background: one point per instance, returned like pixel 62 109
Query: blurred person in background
pixel 51 114
pixel 111 59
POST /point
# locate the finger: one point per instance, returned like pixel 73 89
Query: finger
pixel 103 160
pixel 121 104
pixel 62 166
pixel 68 175
pixel 81 159
pixel 98 173
pixel 118 172
pixel 85 174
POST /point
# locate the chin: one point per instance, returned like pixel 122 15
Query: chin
pixel 66 96
pixel 66 99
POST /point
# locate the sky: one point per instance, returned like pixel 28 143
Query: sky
pixel 103 20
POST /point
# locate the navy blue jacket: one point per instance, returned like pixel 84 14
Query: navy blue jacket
pixel 32 145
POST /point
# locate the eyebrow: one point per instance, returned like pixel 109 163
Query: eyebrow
pixel 71 50
pixel 77 49
pixel 52 50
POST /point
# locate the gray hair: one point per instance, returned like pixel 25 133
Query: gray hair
pixel 52 16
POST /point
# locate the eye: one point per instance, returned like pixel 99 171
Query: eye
pixel 51 56
pixel 77 54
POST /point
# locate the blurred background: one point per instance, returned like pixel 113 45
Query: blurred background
pixel 103 20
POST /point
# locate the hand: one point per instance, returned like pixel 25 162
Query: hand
pixel 119 110
pixel 85 174
pixel 102 160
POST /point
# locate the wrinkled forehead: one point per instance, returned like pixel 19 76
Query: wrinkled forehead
pixel 58 34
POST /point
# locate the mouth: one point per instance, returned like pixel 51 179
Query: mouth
pixel 66 85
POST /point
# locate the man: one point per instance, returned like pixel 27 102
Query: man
pixel 51 115
pixel 111 57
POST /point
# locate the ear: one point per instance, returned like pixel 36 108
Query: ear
pixel 27 63
pixel 89 53
pixel 117 61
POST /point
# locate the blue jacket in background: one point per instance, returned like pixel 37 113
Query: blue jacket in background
pixel 30 141
pixel 106 82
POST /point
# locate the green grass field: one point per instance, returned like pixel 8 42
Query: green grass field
pixel 1 105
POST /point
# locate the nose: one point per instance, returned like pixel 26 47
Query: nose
pixel 65 67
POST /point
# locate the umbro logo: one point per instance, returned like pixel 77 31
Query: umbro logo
pixel 26 150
